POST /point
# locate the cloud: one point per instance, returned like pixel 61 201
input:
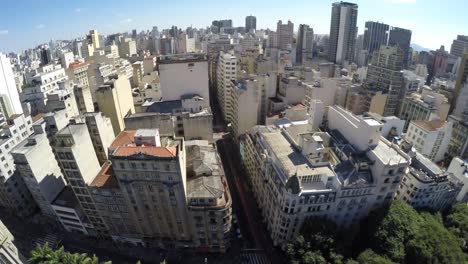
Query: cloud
pixel 40 26
pixel 3 32
pixel 78 10
pixel 127 20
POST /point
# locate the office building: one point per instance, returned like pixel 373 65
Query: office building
pixel 384 74
pixel 459 46
pixel 11 103
pixel 440 63
pixel 183 74
pixel 305 43
pixel 425 185
pixel 250 23
pixel 167 45
pixel 375 35
pixel 459 141
pixel 114 100
pixel 285 34
pixel 127 48
pixel 66 59
pixel 46 56
pixel 402 38
pixel 35 162
pixel 9 253
pixel 430 138
pixel 343 32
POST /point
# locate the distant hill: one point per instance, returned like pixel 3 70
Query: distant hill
pixel 418 48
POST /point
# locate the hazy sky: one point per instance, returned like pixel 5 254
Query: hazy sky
pixel 26 23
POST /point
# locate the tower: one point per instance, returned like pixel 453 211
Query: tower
pixel 343 32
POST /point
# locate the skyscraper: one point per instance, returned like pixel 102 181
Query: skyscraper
pixel 11 103
pixel 46 56
pixel 285 34
pixel 343 32
pixel 375 35
pixel 250 23
pixel 93 38
pixel 304 45
pixel 401 37
pixel 385 74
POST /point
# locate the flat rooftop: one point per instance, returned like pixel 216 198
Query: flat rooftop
pixel 182 58
pixel 387 154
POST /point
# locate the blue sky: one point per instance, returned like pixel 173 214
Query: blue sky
pixel 26 23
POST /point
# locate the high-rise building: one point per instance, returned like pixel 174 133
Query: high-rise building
pixel 440 63
pixel 101 133
pixel 459 46
pixel 46 56
pixel 305 43
pixel 93 39
pixel 250 23
pixel 36 163
pixel 227 72
pixel 285 34
pixel 152 172
pixel 114 99
pixel 460 88
pixel 402 38
pixel 80 165
pixel 385 74
pixel 11 104
pixel 343 32
pixel 375 35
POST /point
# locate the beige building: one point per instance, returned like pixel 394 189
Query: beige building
pixel 114 100
pixel 9 253
pixel 78 72
pixel 208 197
pixel 152 171
pixel 84 99
pixel 430 138
pixel 80 165
pixel 101 133
pixel 226 73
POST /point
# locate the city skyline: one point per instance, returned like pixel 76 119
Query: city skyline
pixel 48 18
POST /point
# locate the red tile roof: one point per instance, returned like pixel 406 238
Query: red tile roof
pixel 124 138
pixel 105 178
pixel 37 117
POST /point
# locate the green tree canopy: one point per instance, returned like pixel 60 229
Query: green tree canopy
pixel 43 254
pixel 370 257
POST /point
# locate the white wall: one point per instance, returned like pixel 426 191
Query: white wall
pixel 178 79
pixel 8 85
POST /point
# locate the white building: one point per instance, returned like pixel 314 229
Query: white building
pixel 9 253
pixel 66 59
pixel 430 138
pixel 244 105
pixel 35 161
pixel 183 74
pixel 40 85
pixel 392 125
pixel 340 176
pixel 226 73
pixel 8 88
pixel 425 185
pixel 459 168
pixel 101 133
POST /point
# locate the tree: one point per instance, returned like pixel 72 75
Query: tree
pixel 370 257
pixel 300 251
pixel 434 244
pixel 397 228
pixel 457 222
pixel 43 254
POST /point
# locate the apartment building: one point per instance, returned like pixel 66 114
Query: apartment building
pixel 459 169
pixel 70 214
pixel 340 175
pixel 425 185
pixel 226 73
pixel 35 162
pixel 101 133
pixel 79 164
pixel 430 138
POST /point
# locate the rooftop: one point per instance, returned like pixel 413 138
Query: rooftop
pixel 432 125
pixel 105 178
pixel 182 58
pixel 124 146
pixel 165 107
